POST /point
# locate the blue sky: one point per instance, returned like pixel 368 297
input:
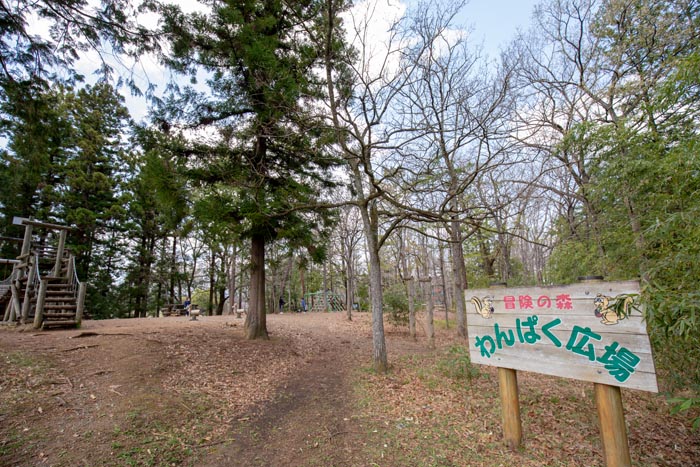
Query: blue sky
pixel 495 22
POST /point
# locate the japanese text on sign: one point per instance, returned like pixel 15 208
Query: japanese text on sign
pixel 618 361
pixel 525 302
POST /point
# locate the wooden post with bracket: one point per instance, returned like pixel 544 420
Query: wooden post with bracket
pixel 510 400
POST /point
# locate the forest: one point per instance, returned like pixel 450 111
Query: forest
pixel 325 150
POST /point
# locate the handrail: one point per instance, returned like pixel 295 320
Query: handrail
pixel 37 276
pixel 73 281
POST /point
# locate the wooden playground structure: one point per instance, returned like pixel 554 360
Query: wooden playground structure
pixel 324 301
pixel 43 287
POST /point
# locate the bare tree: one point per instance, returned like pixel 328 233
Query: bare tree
pixel 193 249
pixel 559 90
pixel 408 278
pixel 427 281
pixel 588 68
pixel 349 233
pixel 362 87
pixel 455 110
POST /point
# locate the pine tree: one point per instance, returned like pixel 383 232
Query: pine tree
pixel 89 198
pixel 156 205
pixel 269 165
pixel 37 132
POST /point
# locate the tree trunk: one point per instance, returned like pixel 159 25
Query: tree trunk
pixel 179 274
pixel 412 307
pixel 368 212
pixel 370 220
pixel 381 364
pixel 347 255
pixel 149 273
pixel 189 276
pixel 285 279
pixel 455 228
pixel 159 294
pixel 410 289
pixel 173 269
pixel 255 322
pixel 161 278
pixel 430 317
pixel 486 257
pixel 444 287
pixel 325 287
pixel 349 296
pixel 330 271
pixel 428 290
pixel 212 283
pixel 232 280
pixel 240 288
pixel 220 304
pixel 351 284
pixel 459 272
pixel 145 262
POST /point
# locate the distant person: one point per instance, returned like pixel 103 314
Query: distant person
pixel 186 305
pixel 303 305
pixel 281 304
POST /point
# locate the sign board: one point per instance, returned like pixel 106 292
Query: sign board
pixel 591 331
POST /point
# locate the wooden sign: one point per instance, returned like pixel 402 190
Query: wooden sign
pixel 591 331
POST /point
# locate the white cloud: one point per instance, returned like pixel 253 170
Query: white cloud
pixel 370 27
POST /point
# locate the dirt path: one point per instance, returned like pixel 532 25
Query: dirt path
pixel 311 421
pixel 95 393
pixel 310 418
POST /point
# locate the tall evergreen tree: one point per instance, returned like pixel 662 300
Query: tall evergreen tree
pixel 37 133
pixel 33 65
pixel 269 164
pixel 157 203
pixel 91 175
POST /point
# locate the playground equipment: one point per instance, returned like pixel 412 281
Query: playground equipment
pixel 43 287
pixel 324 301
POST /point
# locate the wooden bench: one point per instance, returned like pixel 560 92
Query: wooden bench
pixel 173 309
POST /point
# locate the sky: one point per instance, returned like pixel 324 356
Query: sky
pixel 492 23
pixel 495 22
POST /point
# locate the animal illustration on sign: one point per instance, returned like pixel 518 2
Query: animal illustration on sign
pixel 612 309
pixel 484 306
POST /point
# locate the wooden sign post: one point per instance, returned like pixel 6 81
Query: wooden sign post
pixel 591 331
pixel 510 407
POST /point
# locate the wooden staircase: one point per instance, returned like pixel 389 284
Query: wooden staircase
pixel 60 304
pixel 44 286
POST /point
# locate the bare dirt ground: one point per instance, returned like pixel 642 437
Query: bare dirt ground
pixel 172 392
